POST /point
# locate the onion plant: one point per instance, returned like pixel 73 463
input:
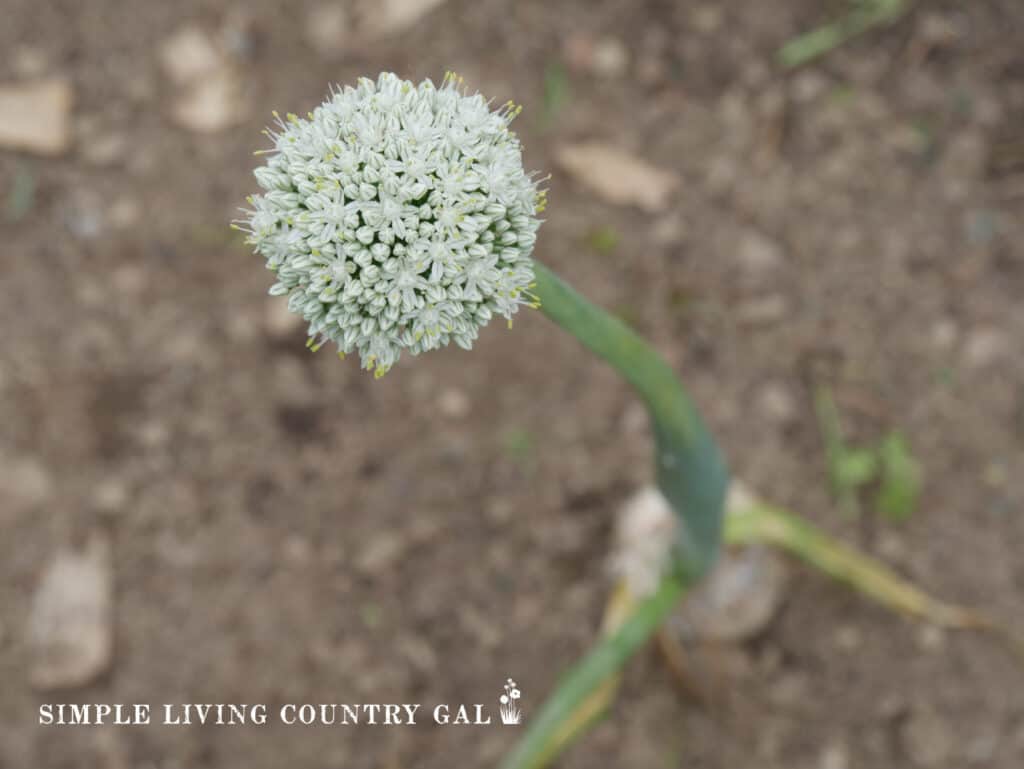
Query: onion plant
pixel 398 218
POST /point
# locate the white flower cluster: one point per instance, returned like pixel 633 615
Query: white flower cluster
pixel 397 217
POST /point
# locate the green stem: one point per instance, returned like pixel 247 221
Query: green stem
pixel 690 470
pixel 824 39
pixel 764 524
pixel 565 715
pixel 690 473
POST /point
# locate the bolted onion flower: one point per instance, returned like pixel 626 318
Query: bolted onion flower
pixel 397 217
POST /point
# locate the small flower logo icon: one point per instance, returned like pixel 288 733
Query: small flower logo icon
pixel 511 713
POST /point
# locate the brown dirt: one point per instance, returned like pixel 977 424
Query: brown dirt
pixel 288 530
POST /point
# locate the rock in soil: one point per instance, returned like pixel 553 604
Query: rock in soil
pixel 35 116
pixel 71 623
pixel 190 54
pixel 927 739
pixel 211 96
pixel 617 176
pixel 381 18
pixel 212 104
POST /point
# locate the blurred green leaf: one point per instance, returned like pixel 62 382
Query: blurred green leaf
pixel 370 613
pixel 842 94
pixel 756 523
pixel 855 468
pixel 865 15
pixel 603 239
pixel 848 468
pixel 22 194
pixel 945 376
pixel 901 479
pixel 518 444
pixel 585 692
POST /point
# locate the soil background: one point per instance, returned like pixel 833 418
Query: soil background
pixel 286 529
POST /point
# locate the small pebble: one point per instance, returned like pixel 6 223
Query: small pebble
pixel 892 547
pixel 35 116
pixel 381 18
pixel 835 756
pixel 944 334
pixel 110 496
pixel 84 219
pixel 931 638
pixel 617 176
pixel 499 511
pixel 453 403
pixel 380 553
pixel 610 58
pixel 124 213
pixel 927 739
pixel 211 104
pixel 848 638
pixel 758 254
pixel 985 346
pixel 71 621
pixel 190 54
pixel 297 550
pixel 669 229
pixel 635 420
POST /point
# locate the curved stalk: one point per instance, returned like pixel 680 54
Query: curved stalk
pixel 690 470
pixel 691 474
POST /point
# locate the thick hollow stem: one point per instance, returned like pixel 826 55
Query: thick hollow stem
pixel 692 476
pixel 689 467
